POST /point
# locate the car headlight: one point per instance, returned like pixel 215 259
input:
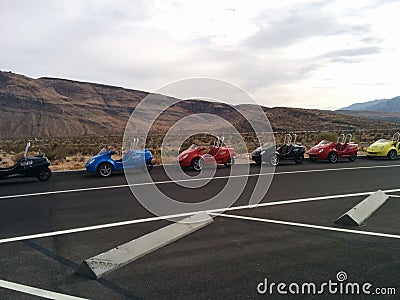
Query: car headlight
pixel 90 162
pixel 381 148
pixel 185 156
pixel 321 150
pixel 262 152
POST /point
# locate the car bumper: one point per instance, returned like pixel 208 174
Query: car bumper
pixel 185 163
pixel 91 168
pixel 376 154
pixel 315 156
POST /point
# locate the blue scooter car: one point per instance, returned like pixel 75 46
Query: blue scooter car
pixel 104 165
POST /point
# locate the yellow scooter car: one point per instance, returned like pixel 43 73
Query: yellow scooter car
pixel 385 148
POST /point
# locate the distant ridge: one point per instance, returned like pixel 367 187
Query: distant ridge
pixel 381 105
pixel 46 107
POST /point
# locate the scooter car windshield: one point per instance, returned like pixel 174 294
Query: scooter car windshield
pixel 102 151
pixel 382 141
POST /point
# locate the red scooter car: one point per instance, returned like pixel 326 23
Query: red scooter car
pixel 195 158
pixel 333 151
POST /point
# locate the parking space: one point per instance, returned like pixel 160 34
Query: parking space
pixel 293 241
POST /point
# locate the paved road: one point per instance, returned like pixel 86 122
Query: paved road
pixel 227 259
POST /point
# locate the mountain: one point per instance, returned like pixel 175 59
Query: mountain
pixel 387 110
pixel 382 105
pixel 59 107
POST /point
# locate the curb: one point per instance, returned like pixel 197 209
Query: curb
pixel 83 171
pixel 69 172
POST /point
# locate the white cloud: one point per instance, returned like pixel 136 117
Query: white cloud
pixel 324 54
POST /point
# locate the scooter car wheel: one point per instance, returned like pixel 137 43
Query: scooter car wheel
pixel 44 174
pixel 105 170
pixel 274 160
pixel 197 164
pixel 299 159
pixel 230 163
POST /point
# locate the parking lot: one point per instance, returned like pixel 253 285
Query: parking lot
pixel 49 228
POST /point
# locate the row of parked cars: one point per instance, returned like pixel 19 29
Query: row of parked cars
pixel 196 157
pixel 324 150
pixel 327 150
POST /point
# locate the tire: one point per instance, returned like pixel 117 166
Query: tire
pixel 299 159
pixel 230 163
pixel 197 163
pixel 392 155
pixel 274 160
pixel 105 169
pixel 353 157
pixel 44 175
pixel 149 166
pixel 333 157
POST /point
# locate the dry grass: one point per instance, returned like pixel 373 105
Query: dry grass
pixel 73 153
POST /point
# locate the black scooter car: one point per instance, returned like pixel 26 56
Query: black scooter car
pixel 28 166
pixel 290 150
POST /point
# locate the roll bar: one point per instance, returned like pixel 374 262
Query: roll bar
pixel 294 137
pixel 218 142
pixel 396 137
pixel 341 138
pixel 26 149
pixel 350 137
pixel 134 144
pixel 288 139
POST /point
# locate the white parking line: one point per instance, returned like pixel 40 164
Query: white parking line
pixel 65 191
pixel 194 179
pixel 338 169
pixel 385 235
pixel 35 291
pixel 152 219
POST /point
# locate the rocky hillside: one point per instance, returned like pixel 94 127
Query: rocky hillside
pixel 46 106
pixel 58 107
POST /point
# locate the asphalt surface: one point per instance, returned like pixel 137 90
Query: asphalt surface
pixel 225 260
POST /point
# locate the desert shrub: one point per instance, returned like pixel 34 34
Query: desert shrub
pixel 89 150
pixel 355 139
pixel 59 152
pixel 326 135
pixel 157 159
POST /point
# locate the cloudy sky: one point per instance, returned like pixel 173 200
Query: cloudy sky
pixel 311 54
